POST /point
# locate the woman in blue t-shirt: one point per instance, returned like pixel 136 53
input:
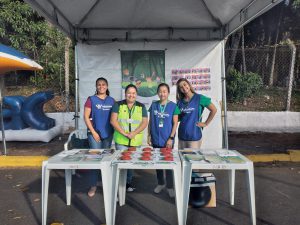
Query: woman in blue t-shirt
pixel 191 106
pixel 161 131
pixel 97 112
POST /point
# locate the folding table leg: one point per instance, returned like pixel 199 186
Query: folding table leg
pixel 178 191
pixel 186 183
pixel 122 186
pixel 115 185
pixel 68 178
pixel 44 164
pixel 107 190
pixel 45 187
pixel 231 185
pixel 251 193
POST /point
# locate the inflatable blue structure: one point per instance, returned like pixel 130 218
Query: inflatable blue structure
pixel 22 112
pixel 12 113
pixel 32 111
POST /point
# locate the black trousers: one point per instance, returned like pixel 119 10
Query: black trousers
pixel 160 175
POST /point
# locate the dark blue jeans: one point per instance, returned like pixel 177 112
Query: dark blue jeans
pixel 93 175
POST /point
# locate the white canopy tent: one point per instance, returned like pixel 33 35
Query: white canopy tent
pixel 102 27
pixel 159 20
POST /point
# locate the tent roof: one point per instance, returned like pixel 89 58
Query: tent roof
pixel 130 20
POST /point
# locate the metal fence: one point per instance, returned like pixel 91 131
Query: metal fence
pixel 274 65
pixel 260 60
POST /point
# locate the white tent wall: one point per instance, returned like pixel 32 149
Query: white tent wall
pixel 104 60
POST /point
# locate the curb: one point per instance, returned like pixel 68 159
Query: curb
pixel 36 161
pixel 21 161
pixel 292 156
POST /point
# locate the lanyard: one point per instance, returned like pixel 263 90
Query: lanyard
pixel 131 111
pixel 163 108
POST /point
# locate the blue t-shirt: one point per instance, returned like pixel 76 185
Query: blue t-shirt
pixel 100 114
pixel 161 122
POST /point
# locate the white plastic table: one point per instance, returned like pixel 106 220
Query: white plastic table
pixel 57 162
pixel 188 166
pixel 120 176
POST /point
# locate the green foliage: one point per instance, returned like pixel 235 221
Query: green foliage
pixel 23 29
pixel 241 86
pixel 296 4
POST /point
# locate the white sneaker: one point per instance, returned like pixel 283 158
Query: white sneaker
pixel 129 187
pixel 159 188
pixel 92 191
pixel 171 192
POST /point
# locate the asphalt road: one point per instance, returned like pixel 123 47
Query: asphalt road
pixel 277 200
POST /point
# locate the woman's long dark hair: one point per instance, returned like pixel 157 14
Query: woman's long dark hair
pixel 102 79
pixel 179 94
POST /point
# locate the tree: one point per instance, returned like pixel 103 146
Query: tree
pixel 267 32
pixel 233 43
pixel 22 28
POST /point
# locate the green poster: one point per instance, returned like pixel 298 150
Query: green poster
pixel 145 69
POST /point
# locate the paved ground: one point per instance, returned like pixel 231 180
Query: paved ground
pixel 277 200
pixel 277 191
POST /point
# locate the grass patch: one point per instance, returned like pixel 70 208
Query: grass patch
pixel 268 100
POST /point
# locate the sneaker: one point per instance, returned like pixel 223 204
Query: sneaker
pixel 159 188
pixel 129 187
pixel 171 192
pixel 92 191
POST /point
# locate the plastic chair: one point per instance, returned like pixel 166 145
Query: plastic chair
pixel 77 139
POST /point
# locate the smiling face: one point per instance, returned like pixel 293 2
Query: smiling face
pixel 184 87
pixel 130 95
pixel 101 87
pixel 163 93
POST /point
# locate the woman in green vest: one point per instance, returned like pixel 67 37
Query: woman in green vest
pixel 129 118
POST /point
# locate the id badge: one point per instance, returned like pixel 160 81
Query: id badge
pixel 161 124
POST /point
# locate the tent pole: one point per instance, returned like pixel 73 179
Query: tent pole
pixel 224 99
pixel 76 88
pixel 2 124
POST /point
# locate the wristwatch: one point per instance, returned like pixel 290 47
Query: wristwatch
pixel 172 138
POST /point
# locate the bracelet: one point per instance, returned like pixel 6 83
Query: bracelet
pixel 172 138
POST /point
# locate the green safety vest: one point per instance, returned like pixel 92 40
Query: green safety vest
pixel 129 121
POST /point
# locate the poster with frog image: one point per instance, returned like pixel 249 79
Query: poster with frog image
pixel 144 69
